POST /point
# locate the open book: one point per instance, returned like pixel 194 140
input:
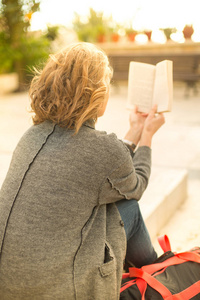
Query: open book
pixel 150 84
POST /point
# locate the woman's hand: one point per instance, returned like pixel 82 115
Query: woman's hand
pixel 136 120
pixel 152 123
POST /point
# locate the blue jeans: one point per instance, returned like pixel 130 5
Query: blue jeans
pixel 140 250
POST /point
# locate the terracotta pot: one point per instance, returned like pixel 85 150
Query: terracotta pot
pixel 188 31
pixel 148 34
pixel 115 37
pixel 101 38
pixel 131 36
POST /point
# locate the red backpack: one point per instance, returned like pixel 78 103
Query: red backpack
pixel 174 276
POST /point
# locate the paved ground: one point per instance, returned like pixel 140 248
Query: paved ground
pixel 176 145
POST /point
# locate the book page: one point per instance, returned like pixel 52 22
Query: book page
pixel 163 89
pixel 140 86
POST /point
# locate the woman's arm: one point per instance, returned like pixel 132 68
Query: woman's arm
pixel 136 121
pixel 130 178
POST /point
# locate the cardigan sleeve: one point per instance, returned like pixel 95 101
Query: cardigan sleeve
pixel 128 180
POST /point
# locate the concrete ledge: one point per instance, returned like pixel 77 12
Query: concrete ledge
pixel 166 191
pixel 8 83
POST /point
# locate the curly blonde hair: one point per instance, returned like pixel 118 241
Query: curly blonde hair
pixel 72 86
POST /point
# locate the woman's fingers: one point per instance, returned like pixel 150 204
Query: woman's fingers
pixel 153 111
pixel 135 109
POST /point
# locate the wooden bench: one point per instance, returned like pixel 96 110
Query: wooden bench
pixel 186 66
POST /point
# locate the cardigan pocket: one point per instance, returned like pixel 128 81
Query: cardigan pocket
pixel 109 265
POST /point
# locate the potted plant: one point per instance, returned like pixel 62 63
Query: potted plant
pixel 168 31
pixel 96 29
pixel 115 37
pixel 100 34
pixel 148 34
pixel 131 34
pixel 188 31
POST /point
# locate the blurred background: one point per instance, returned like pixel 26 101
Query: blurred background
pixel 141 30
pixel 31 29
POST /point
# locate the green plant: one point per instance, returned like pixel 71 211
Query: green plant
pixel 35 53
pixel 52 32
pixel 130 30
pixel 6 55
pixel 19 48
pixel 168 31
pixel 131 33
pixel 31 51
pixel 93 28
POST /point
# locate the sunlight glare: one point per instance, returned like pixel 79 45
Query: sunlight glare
pixel 140 14
pixel 158 36
pixel 141 38
pixel 37 22
pixel 196 36
pixel 177 37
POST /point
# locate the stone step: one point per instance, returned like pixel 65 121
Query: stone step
pixel 166 191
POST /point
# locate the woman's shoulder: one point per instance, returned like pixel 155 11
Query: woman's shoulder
pixel 106 144
pixel 37 133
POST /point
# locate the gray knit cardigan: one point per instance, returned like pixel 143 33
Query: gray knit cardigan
pixel 60 230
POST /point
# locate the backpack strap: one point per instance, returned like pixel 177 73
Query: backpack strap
pixel 143 275
pixel 127 284
pixel 142 286
pixel 177 259
pixel 153 282
pixel 164 243
pixel 188 293
pixel 174 260
pixel 189 256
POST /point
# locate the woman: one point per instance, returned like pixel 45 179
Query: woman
pixel 63 205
